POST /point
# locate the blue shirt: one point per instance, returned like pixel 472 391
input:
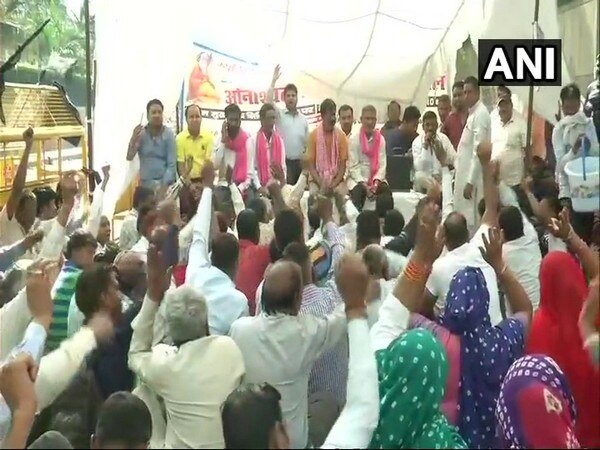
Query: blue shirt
pixel 158 157
pixel 294 131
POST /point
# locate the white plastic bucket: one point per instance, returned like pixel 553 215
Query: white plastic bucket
pixel 585 193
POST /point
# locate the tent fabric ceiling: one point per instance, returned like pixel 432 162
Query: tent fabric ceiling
pixel 358 52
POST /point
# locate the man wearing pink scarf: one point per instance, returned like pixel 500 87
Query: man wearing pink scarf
pixel 233 148
pixel 265 149
pixel 367 157
pixel 327 152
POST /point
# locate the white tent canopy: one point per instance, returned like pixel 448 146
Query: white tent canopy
pixel 368 51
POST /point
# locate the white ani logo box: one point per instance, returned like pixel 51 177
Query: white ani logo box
pixel 516 62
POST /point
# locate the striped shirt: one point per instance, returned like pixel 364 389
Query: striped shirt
pixel 62 292
pixel 330 371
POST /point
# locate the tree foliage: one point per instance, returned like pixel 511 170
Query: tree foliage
pixel 62 43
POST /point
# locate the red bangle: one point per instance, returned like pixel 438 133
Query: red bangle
pixel 415 272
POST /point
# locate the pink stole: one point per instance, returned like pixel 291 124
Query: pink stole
pixel 263 157
pixel 240 169
pixel 327 164
pixel 371 151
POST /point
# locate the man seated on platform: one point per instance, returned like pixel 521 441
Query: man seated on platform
pixel 431 151
pixel 366 157
pixel 346 118
pixel 232 148
pixel 265 149
pixel 400 139
pixel 327 152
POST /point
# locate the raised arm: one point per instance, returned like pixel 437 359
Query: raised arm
pixel 93 224
pixel 198 256
pixel 517 296
pixel 481 134
pixel 20 175
pixel 134 142
pixel 490 190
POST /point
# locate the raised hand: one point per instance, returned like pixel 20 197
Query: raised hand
pixel 561 228
pixel 276 74
pixel 102 326
pixel 38 286
pixel 28 137
pixel 492 249
pixel 136 136
pixel 325 208
pixel 352 280
pixel 17 378
pixel 70 186
pixel 159 274
pixel 33 237
pixel 208 174
pixel 430 238
pixel 106 171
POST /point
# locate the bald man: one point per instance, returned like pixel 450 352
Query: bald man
pixel 131 273
pixel 376 260
pixel 280 346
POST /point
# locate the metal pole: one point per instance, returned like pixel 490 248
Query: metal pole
pixel 89 91
pixel 528 149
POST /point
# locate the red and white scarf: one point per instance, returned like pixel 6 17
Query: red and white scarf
pixel 327 162
pixel 263 156
pixel 240 169
pixel 371 151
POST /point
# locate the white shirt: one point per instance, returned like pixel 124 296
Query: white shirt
pixel 508 143
pixel 141 248
pixel 426 163
pixel 11 231
pixel 252 149
pixel 359 164
pixel 129 234
pixel 445 267
pixel 523 256
pixel 194 380
pixel 358 420
pixel 224 154
pixel 225 303
pixel 281 349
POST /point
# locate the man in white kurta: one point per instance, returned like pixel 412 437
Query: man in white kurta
pixel 366 156
pixel 468 186
pixel 431 151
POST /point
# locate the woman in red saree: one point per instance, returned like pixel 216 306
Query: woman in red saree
pixel 554 332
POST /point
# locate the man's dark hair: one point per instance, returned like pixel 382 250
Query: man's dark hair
pixel 384 201
pixel 444 98
pixel 80 239
pixel 358 195
pixel 44 195
pixel 143 218
pixel 394 102
pixel 429 115
pixel 481 207
pixel 123 419
pixel 554 203
pixel 505 90
pixel 473 82
pixel 287 228
pixel 225 252
pixel 232 109
pixel 91 284
pixel 393 223
pixel 152 102
pixel 455 230
pixel 411 114
pixel 510 222
pixel 459 84
pixel 190 106
pixel 264 109
pixel 345 107
pixel 290 88
pixel 247 226
pixel 570 92
pixel 249 415
pixel 258 206
pixel 328 105
pixel 298 253
pixel 368 230
pixel 141 196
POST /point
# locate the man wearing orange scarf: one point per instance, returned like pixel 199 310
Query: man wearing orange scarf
pixel 327 152
pixel 366 157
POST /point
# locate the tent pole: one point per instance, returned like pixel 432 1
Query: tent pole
pixel 89 91
pixel 528 149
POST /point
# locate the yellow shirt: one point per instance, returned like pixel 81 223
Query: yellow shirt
pixel 200 148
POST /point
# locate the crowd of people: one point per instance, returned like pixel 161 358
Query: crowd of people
pixel 264 292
